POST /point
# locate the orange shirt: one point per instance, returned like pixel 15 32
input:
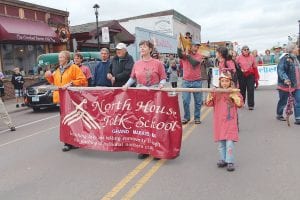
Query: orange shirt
pixel 71 73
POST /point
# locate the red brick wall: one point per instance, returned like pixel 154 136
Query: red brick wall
pixel 40 16
pixel 2 10
pixel 12 11
pixel 29 14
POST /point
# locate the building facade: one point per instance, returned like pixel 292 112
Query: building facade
pixel 84 36
pixel 169 22
pixel 28 30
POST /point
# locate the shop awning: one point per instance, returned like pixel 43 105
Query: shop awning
pixel 13 29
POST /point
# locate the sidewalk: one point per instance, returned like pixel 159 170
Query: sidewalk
pixel 10 106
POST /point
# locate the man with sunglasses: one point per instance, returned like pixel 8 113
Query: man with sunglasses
pixel 249 80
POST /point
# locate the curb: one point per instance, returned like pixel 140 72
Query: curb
pixel 17 110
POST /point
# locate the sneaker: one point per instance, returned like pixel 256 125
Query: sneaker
pixel 230 167
pixel 280 118
pixel 143 156
pixel 221 164
pixel 197 121
pixel 185 121
pixel 17 106
pixel 12 128
pixel 68 147
pixel 251 108
pixel 23 105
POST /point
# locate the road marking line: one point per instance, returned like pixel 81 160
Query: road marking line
pixel 132 174
pixel 28 136
pixel 127 179
pixel 27 124
pixel 142 181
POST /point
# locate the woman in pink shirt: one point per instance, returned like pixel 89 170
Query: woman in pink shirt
pixel 147 72
pixel 225 120
pixel 249 78
pixel 78 58
pixel 225 63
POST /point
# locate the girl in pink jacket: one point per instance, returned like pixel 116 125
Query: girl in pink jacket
pixel 225 120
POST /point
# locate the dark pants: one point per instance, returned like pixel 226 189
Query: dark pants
pixel 247 84
pixel 283 97
pixel 174 84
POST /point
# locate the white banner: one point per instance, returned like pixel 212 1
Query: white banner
pixel 215 77
pixel 267 74
pixel 105 35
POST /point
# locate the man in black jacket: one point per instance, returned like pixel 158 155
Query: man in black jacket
pixel 120 66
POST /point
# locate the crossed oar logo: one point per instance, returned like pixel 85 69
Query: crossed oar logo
pixel 80 114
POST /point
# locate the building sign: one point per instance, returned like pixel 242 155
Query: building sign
pixel 35 38
pixel 63 33
pixel 105 35
pixel 164 25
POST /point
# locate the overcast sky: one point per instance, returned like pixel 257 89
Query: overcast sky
pixel 260 24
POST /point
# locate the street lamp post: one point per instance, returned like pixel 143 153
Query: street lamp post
pixel 96 7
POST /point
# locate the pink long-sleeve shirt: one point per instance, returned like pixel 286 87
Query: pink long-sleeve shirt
pixel 225 117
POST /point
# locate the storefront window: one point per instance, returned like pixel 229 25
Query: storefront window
pixel 8 58
pixel 22 56
pixel 31 59
pixel 40 49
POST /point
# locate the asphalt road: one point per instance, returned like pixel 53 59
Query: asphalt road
pixel 32 165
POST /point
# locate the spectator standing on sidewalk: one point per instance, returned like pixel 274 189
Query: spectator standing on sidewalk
pixel 258 59
pixel 17 80
pixel 267 58
pixel 173 72
pixel 1 85
pixel 205 66
pixel 5 117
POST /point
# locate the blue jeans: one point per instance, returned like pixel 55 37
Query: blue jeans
pixel 186 97
pixel 226 150
pixel 283 97
pixel 297 104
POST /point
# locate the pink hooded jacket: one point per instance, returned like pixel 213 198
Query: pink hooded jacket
pixel 225 115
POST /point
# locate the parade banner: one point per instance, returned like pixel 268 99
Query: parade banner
pixel 267 75
pixel 141 121
pixel 215 77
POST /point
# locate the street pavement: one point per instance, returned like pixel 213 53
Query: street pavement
pixel 32 165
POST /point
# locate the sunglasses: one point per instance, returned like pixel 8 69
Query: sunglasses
pixel 245 49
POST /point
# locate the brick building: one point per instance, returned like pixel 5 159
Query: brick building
pixel 28 30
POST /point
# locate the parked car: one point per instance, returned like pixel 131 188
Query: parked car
pixel 39 95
